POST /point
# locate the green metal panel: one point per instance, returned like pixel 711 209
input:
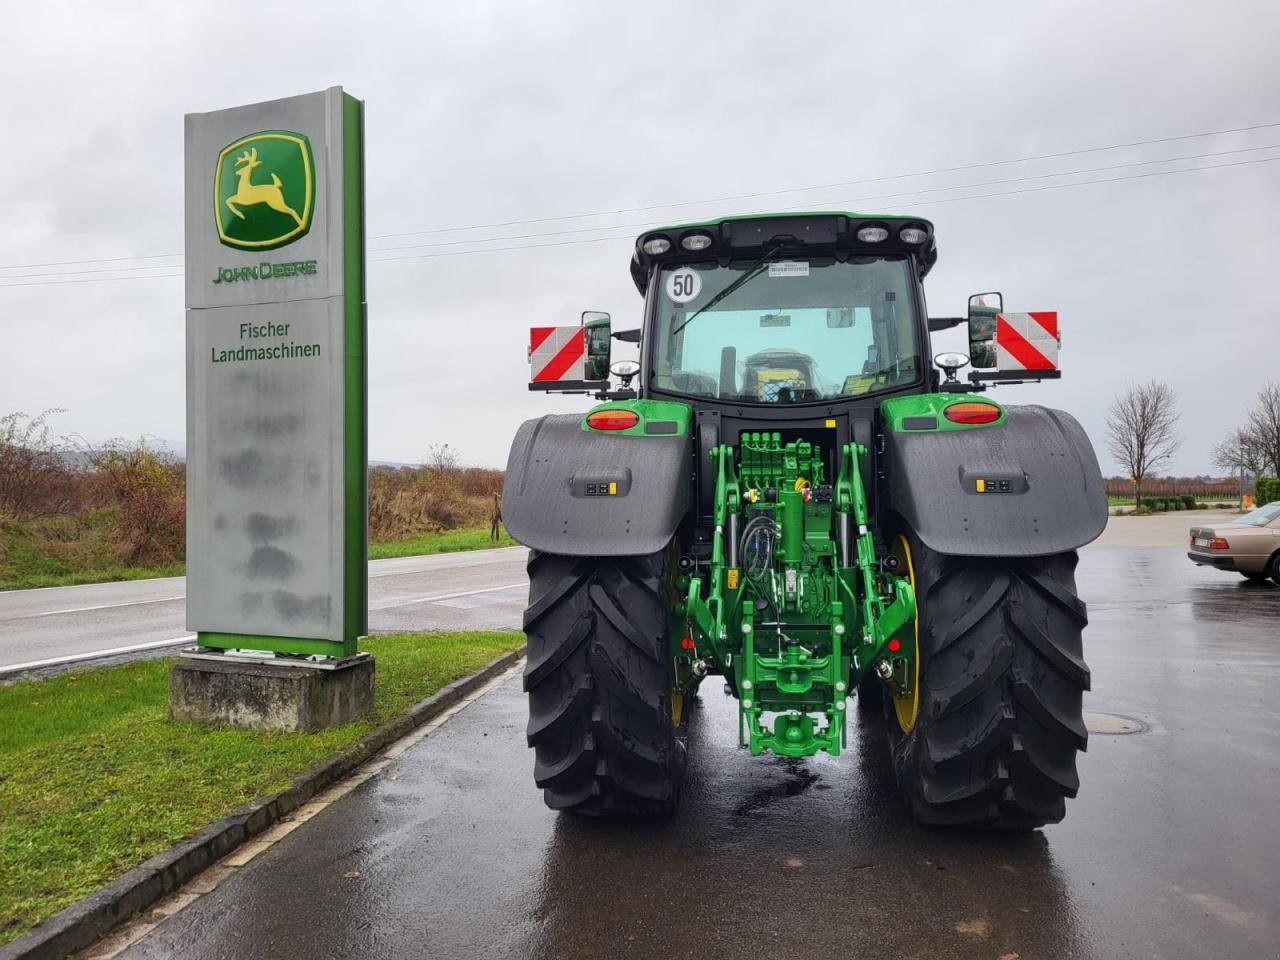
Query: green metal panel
pixel 896 410
pixel 355 422
pixel 299 645
pixel 649 411
pixel 712 224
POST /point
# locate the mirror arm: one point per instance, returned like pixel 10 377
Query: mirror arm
pixel 627 336
pixel 945 323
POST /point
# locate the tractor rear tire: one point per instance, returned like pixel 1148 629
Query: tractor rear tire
pixel 600 680
pixel 1002 678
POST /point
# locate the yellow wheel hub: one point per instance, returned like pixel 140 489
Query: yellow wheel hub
pixel 908 707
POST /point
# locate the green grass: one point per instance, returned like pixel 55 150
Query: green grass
pixel 450 541
pixel 94 777
pixel 102 575
pixel 62 551
pixel 26 566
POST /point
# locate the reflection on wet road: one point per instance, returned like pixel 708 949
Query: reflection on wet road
pixel 1171 850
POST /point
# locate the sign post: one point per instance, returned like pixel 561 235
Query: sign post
pixel 276 384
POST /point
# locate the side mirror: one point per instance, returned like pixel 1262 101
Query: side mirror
pixel 983 310
pixel 596 329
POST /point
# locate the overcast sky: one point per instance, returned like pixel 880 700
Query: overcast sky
pixel 479 113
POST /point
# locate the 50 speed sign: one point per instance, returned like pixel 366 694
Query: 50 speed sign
pixel 683 285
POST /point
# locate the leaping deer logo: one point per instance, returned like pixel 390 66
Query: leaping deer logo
pixel 249 194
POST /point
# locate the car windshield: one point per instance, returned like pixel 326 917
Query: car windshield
pixel 1262 516
pixel 793 331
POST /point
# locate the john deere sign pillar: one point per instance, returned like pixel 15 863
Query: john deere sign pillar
pixel 276 414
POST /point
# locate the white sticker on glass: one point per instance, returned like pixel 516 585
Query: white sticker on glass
pixel 684 285
pixel 789 268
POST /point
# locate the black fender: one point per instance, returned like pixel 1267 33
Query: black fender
pixel 1041 489
pixel 553 501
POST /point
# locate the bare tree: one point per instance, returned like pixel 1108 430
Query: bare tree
pixel 443 459
pixel 1142 430
pixel 1264 427
pixel 1238 452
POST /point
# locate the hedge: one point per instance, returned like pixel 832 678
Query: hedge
pixel 1266 489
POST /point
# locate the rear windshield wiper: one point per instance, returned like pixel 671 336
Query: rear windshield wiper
pixel 752 272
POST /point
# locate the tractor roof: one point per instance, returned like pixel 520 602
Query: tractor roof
pixel 755 234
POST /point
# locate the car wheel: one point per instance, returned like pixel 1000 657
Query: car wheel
pixel 1274 567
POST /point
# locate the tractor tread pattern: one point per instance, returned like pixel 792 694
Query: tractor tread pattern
pixel 599 685
pixel 1000 720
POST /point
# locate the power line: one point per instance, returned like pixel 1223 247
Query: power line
pixel 628 236
pixel 578 230
pixel 885 196
pixel 843 183
pixel 725 199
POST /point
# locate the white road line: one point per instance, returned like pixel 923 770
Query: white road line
pixel 93 654
pixel 101 606
pixel 404 602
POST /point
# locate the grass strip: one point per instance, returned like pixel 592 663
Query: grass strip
pixel 95 778
pixel 26 568
pixel 448 541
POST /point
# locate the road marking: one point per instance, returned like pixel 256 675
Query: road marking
pixel 93 654
pixel 388 604
pixel 101 606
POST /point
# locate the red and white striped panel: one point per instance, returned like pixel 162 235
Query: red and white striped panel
pixel 557 353
pixel 1027 341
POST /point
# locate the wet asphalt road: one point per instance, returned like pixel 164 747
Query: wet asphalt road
pixel 1172 849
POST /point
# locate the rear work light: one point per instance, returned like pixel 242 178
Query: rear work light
pixel 972 412
pixel 612 420
pixel 696 241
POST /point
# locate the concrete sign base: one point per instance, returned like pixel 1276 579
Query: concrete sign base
pixel 258 694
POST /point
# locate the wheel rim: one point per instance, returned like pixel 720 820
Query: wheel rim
pixel 908 708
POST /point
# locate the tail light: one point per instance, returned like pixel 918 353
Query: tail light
pixel 972 412
pixel 1217 543
pixel 612 420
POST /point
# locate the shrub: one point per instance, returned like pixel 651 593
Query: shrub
pixel 1266 489
pixel 149 490
pixel 35 480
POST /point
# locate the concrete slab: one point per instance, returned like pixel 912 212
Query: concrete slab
pixel 271 696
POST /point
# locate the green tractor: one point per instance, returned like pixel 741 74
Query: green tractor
pixel 793 499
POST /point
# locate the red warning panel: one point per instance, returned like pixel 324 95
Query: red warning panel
pixel 1027 341
pixel 556 353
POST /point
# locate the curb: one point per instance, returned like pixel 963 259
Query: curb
pixel 84 922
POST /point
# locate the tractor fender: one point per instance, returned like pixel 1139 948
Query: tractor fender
pixel 557 498
pixel 1029 486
